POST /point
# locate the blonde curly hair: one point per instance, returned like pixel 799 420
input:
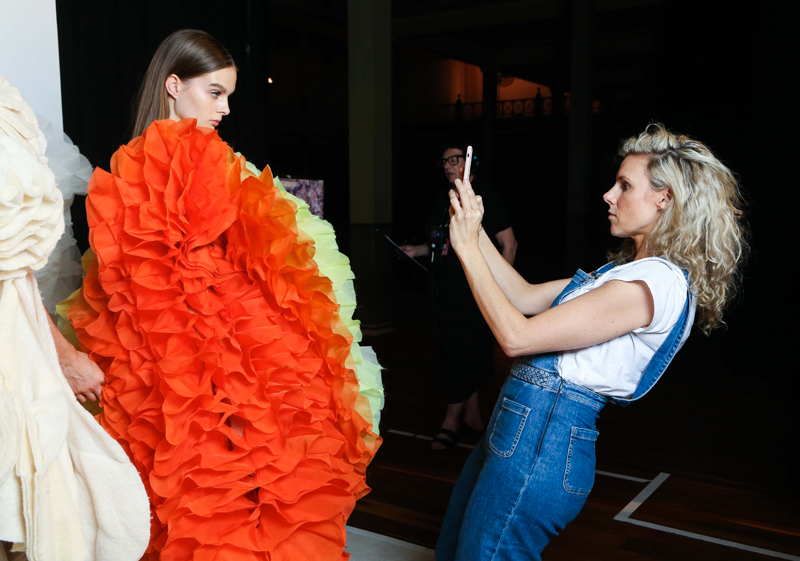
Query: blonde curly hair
pixel 702 228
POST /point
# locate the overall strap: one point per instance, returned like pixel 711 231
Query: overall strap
pixel 664 355
pixel 535 365
pixel 579 278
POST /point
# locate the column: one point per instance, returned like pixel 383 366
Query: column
pixel 580 123
pixel 369 39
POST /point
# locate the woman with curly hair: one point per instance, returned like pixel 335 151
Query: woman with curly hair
pixel 602 337
pixel 221 312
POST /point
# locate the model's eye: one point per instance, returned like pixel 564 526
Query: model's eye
pixel 625 186
pixel 216 93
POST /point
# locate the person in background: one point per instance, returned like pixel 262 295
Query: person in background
pixel 464 359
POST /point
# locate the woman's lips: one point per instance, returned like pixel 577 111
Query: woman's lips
pixel 215 123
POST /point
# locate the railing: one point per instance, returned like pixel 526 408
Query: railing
pixel 534 107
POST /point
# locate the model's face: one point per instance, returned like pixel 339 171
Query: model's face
pixel 453 171
pixel 204 98
pixel 634 207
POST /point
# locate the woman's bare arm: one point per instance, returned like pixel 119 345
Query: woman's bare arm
pixel 607 312
pixel 528 299
pixel 84 376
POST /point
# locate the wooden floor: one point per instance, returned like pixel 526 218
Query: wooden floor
pixel 698 512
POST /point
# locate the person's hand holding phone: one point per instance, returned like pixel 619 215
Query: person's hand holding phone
pixel 466 211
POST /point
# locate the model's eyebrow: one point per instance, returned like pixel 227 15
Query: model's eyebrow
pixel 623 178
pixel 219 87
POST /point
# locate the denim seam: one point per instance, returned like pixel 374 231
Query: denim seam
pixel 588 403
pixel 567 487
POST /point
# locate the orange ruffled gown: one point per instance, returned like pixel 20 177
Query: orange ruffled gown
pixel 204 303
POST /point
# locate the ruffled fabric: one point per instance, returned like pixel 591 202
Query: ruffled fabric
pixel 31 211
pixel 63 274
pixel 207 311
pixel 18 121
pixel 336 266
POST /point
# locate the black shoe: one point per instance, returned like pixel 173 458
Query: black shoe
pixel 448 443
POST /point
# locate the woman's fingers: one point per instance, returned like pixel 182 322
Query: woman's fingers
pixel 466 194
pixel 455 204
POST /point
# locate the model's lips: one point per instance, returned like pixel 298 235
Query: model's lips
pixel 215 123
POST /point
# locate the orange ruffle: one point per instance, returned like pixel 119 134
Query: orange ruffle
pixel 206 310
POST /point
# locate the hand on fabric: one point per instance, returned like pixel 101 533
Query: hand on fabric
pixel 84 377
pixel 466 214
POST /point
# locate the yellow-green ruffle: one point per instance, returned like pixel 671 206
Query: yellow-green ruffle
pixel 336 266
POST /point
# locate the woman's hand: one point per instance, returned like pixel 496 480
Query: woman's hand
pixel 466 214
pixel 84 376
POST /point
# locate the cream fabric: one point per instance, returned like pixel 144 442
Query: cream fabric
pixel 31 211
pixel 68 492
pixel 18 121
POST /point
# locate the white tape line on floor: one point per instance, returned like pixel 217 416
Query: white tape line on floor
pixel 625 516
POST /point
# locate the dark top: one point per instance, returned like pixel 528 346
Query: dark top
pixel 452 297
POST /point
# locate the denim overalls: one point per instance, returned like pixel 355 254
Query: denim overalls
pixel 530 475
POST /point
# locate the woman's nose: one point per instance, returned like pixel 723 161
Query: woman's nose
pixel 608 196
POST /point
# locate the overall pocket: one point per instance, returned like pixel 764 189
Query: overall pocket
pixel 579 473
pixel 508 428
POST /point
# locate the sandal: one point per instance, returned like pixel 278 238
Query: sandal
pixel 448 443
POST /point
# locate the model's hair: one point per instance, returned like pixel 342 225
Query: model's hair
pixel 701 229
pixel 187 53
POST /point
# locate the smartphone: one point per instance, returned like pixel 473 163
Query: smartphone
pixel 468 164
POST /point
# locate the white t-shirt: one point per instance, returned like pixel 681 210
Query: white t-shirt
pixel 615 367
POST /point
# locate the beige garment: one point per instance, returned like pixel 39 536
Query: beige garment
pixel 68 492
pixel 72 493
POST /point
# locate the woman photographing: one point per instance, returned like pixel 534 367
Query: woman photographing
pixel 582 343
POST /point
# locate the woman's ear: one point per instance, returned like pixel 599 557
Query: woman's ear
pixel 173 86
pixel 665 196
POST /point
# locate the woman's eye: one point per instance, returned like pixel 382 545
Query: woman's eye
pixel 215 93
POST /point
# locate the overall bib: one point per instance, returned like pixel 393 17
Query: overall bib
pixel 531 473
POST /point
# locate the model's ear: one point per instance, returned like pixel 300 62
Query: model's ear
pixel 173 85
pixel 665 196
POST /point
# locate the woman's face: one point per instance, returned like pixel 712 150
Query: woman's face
pixel 634 207
pixel 204 97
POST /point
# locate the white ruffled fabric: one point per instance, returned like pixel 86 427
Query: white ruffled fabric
pixel 63 273
pixel 18 121
pixel 68 491
pixel 31 211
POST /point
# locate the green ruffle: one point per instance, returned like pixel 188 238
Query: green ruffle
pixel 336 266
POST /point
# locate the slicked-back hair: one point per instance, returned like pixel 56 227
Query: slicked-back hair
pixel 187 53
